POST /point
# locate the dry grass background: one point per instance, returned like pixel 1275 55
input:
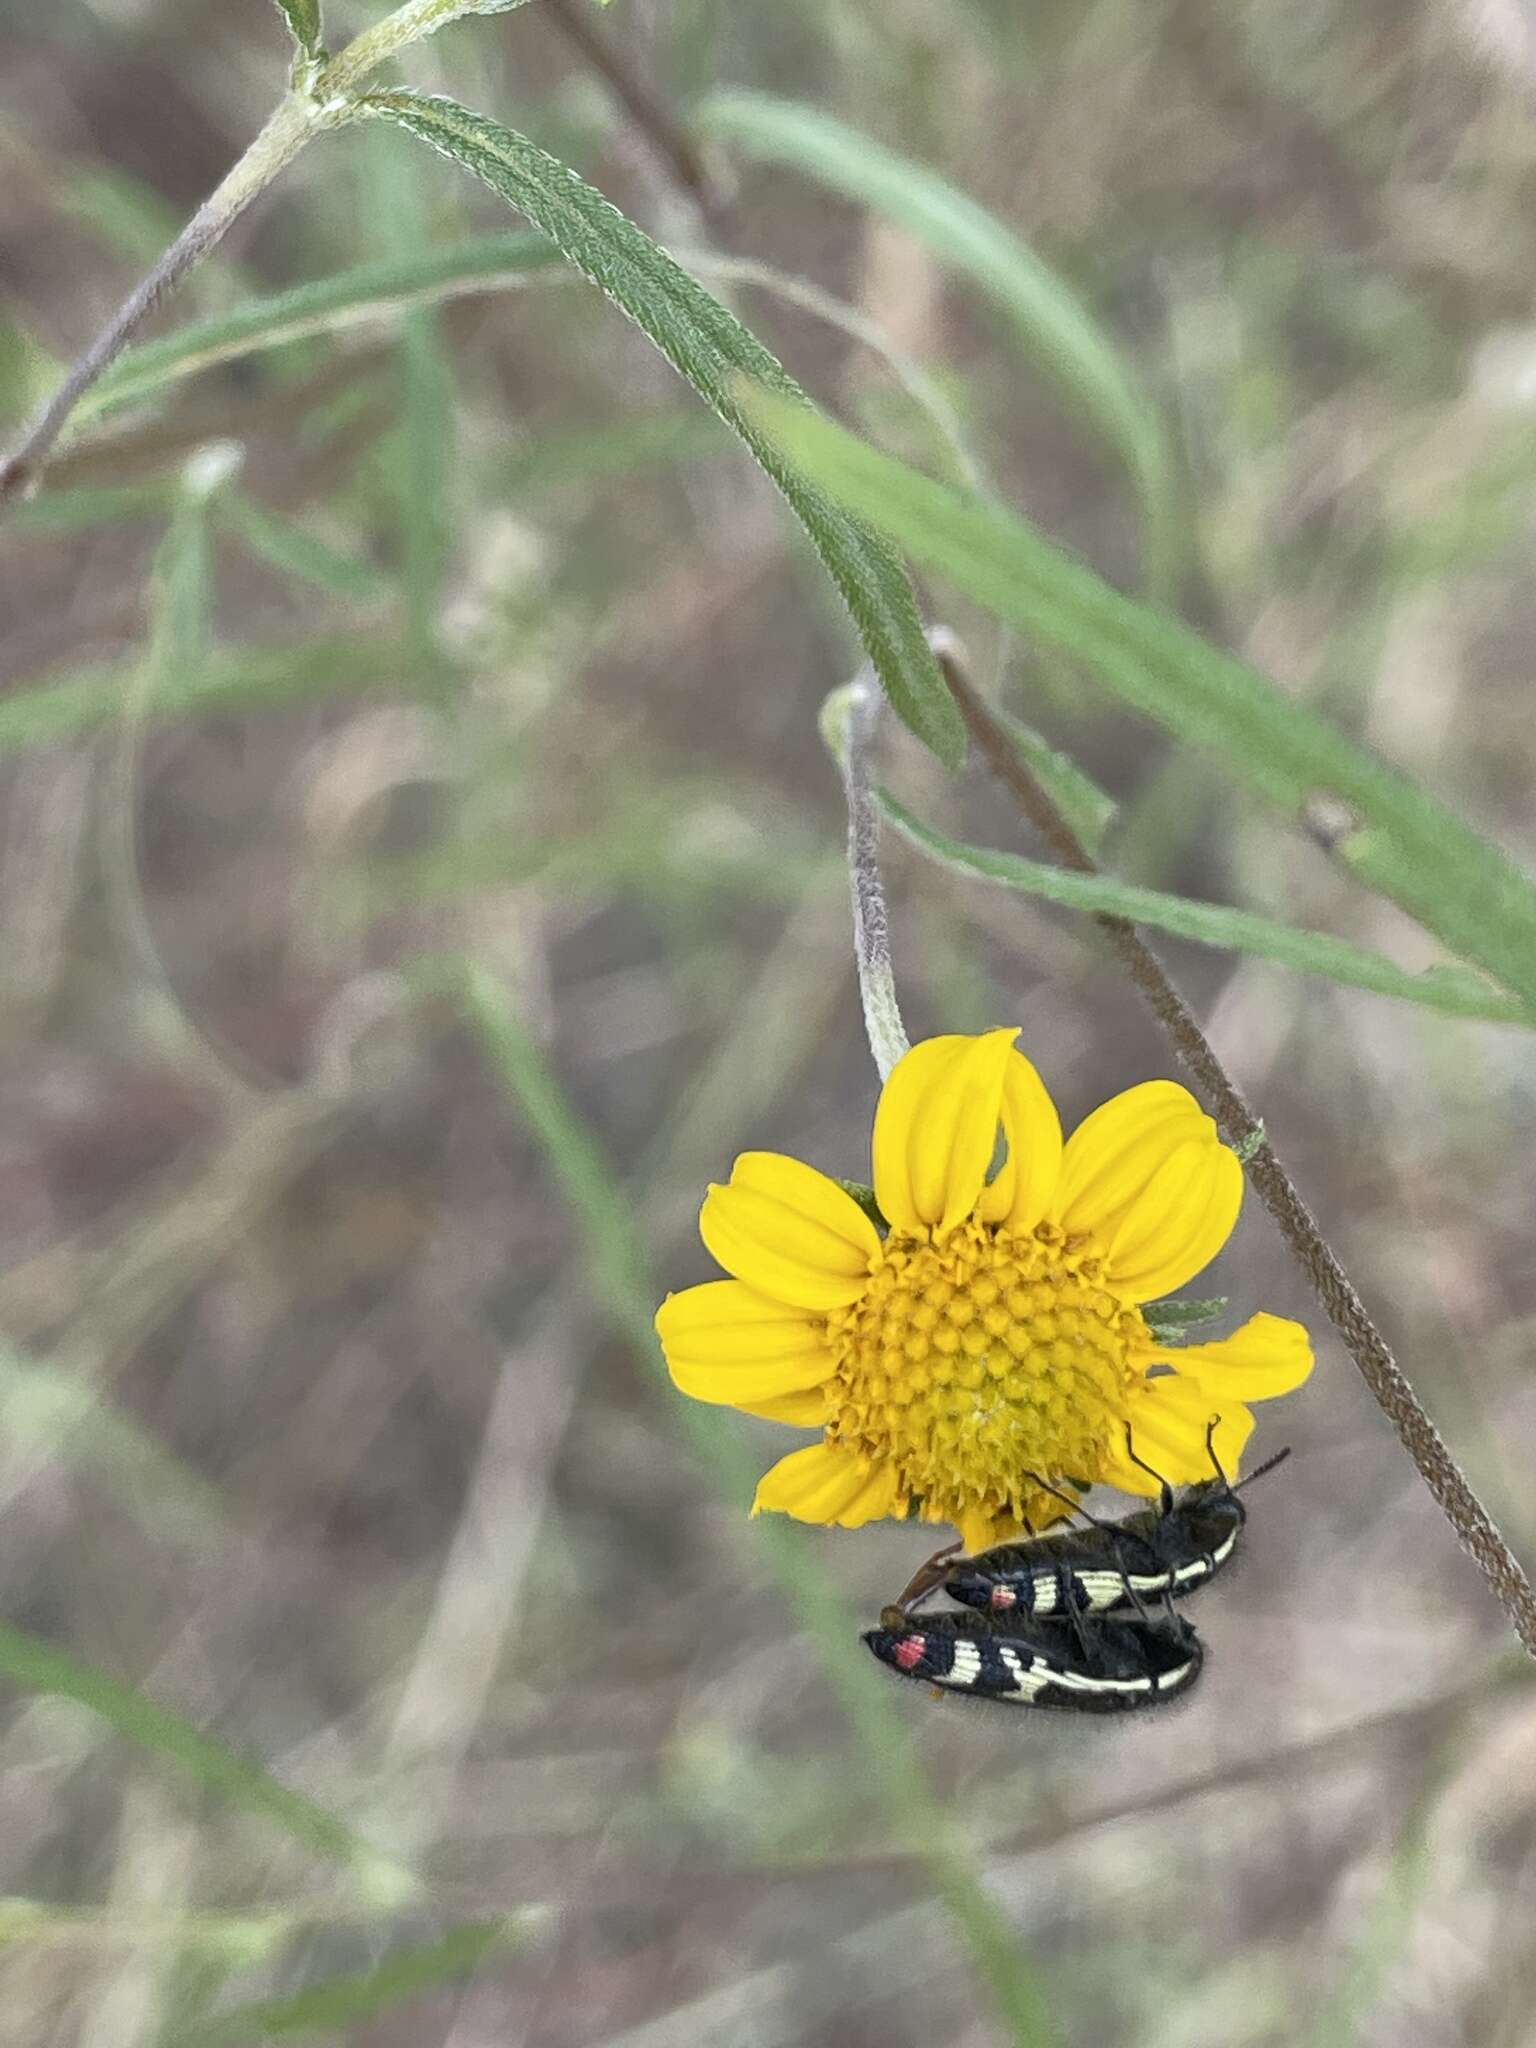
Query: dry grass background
pixel 311 1423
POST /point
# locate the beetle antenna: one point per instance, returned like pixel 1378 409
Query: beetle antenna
pixel 1258 1471
pixel 1210 1451
pixel 1166 1502
pixel 1115 1530
pixel 1060 1493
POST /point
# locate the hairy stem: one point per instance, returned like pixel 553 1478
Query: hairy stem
pixel 284 135
pixel 322 101
pixel 871 927
pixel 1365 1344
pixel 408 24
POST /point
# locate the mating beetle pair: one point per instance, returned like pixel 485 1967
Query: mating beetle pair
pixel 1030 1629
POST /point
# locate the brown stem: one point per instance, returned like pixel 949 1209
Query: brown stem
pixel 1346 1311
pixel 670 140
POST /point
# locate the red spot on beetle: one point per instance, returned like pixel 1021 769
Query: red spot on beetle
pixel 1004 1596
pixel 910 1651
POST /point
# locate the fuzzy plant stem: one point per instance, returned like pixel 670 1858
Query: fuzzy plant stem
pixel 871 927
pixel 284 135
pixel 1365 1344
pixel 320 99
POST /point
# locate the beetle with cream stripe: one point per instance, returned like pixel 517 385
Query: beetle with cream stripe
pixel 1092 1666
pixel 1108 1567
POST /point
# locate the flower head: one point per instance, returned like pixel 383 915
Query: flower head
pixel 993 1339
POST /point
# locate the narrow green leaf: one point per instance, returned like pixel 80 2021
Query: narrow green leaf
pixel 118 209
pixel 423 470
pixel 35 1666
pixel 712 350
pixel 48 1411
pixel 615 1255
pixel 181 638
pixel 371 291
pixel 867 1200
pixel 395 198
pixel 1351 2011
pixel 344 2001
pixel 181 593
pixel 1448 989
pixel 1249 1145
pixel 673 434
pixel 405 24
pixel 303 19
pixel 1407 845
pixel 263 678
pixel 1056 331
pixel 446 11
pixel 54 512
pixel 1171 1321
pixel 1089 810
pixel 300 554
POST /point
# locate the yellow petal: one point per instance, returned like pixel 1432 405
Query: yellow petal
pixel 803 1411
pixel 1269 1355
pixel 1027 1179
pixel 814 1195
pixel 1178 1223
pixel 1113 1153
pixel 727 1344
pixel 828 1485
pixel 936 1130
pixel 1170 1428
pixel 725 1320
pixel 790 1232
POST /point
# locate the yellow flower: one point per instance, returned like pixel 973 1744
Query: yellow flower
pixel 994 1337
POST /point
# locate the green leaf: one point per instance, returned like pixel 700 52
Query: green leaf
pixel 262 678
pixel 52 1411
pixel 423 469
pixel 672 434
pixel 1056 331
pixel 74 511
pixel 1170 1321
pixel 419 456
pixel 371 291
pixel 1089 810
pixel 300 554
pixel 181 582
pixel 714 352
pixel 865 1196
pixel 303 19
pixel 116 208
pixel 1249 1145
pixel 1448 989
pixel 36 1666
pixel 1406 844
pixel 344 2001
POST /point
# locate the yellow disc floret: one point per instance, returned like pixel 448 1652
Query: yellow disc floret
pixel 973 1364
